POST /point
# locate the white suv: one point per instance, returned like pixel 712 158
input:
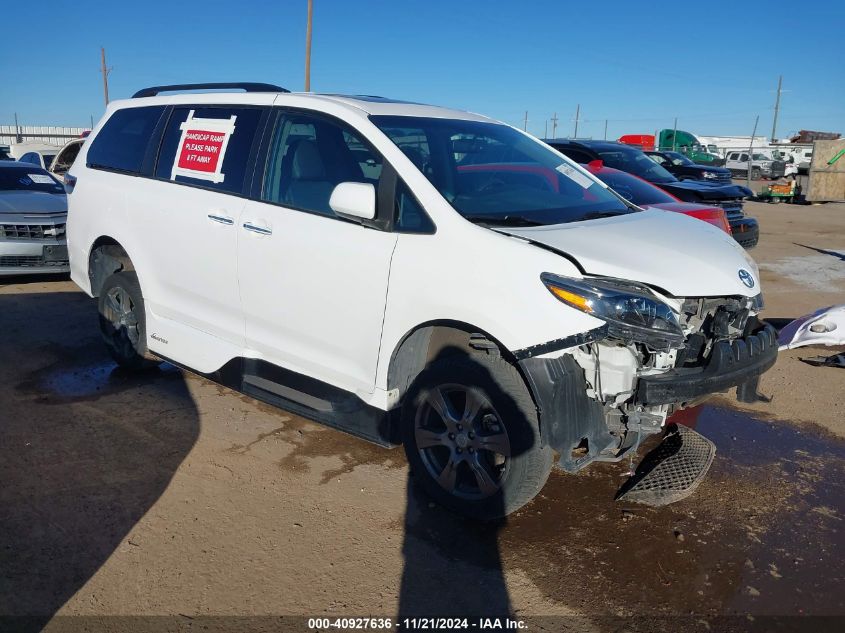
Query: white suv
pixel 408 274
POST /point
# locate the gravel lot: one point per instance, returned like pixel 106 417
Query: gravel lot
pixel 166 494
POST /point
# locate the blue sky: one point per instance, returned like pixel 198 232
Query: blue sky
pixel 712 64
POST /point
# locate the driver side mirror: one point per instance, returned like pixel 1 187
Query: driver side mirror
pixel 354 199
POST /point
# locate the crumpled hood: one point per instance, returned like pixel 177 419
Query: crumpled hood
pixel 32 202
pixel 678 254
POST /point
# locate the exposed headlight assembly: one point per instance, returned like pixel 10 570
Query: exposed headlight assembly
pixel 632 312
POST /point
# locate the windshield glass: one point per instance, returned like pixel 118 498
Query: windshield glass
pixel 761 157
pixel 28 178
pixel 633 189
pixel 635 162
pixel 493 174
pixel 679 159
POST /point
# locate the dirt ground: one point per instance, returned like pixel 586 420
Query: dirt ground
pixel 165 494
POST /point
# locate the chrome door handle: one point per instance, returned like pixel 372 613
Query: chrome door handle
pixel 261 230
pixel 222 219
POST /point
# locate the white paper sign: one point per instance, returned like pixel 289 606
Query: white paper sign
pixel 202 148
pixel 41 179
pixel 575 176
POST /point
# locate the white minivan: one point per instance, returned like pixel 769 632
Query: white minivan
pixel 408 274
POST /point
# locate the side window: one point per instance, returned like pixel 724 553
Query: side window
pixel 657 158
pixel 208 147
pixel 309 155
pixel 30 157
pixel 743 158
pixel 410 217
pixel 122 142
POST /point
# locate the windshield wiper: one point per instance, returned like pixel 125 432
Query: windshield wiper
pixel 503 220
pixel 595 215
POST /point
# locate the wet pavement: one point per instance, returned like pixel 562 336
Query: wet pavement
pixel 99 465
pixel 763 534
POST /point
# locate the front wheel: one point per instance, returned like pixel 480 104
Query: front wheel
pixel 471 434
pixel 122 321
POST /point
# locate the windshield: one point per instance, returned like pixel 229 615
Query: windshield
pixel 761 157
pixel 633 189
pixel 679 159
pixel 493 174
pixel 635 162
pixel 28 178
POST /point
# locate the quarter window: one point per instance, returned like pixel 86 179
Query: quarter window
pixel 121 143
pixel 309 156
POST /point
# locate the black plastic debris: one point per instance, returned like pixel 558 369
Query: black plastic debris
pixel 837 360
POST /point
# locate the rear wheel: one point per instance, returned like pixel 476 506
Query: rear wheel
pixel 471 434
pixel 122 321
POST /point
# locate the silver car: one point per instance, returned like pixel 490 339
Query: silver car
pixel 33 214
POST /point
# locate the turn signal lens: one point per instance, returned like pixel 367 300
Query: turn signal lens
pixel 571 298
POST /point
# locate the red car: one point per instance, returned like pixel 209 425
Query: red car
pixel 645 195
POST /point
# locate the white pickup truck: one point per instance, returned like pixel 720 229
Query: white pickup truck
pixel 762 165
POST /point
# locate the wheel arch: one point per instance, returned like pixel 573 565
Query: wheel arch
pixel 433 340
pixel 106 257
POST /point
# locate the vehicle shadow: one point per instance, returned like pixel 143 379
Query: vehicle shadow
pixel 452 564
pixel 85 450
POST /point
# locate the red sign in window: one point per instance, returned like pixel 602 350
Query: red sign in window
pixel 201 150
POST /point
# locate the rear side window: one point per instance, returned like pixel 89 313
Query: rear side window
pixel 208 147
pixel 575 154
pixel 122 142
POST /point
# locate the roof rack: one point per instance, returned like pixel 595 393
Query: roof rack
pixel 245 86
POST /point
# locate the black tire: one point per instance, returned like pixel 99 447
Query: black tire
pixel 498 417
pixel 755 173
pixel 123 322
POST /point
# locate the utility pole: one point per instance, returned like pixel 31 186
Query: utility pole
pixel 577 114
pixel 525 122
pixel 675 134
pixel 751 153
pixel 18 137
pixel 605 129
pixel 105 72
pixel 777 107
pixel 546 130
pixel 554 126
pixel 308 47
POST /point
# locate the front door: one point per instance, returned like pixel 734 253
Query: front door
pixel 313 286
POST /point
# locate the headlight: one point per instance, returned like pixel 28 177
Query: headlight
pixel 710 174
pixel 632 312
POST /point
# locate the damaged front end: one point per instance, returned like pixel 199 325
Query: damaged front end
pixel 602 394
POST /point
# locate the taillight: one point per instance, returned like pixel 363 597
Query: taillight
pixel 714 216
pixel 70 183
